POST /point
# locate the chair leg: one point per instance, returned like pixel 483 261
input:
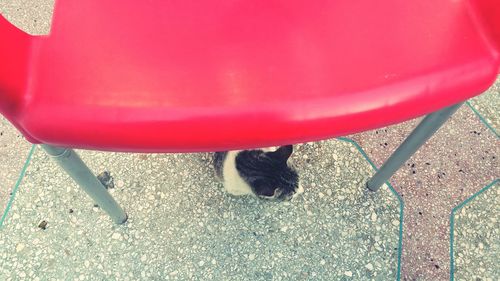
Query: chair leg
pixel 76 168
pixel 429 125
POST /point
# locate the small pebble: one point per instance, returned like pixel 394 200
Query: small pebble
pixel 369 266
pixel 19 247
pixel 251 257
pixel 43 225
pixel 120 183
pixel 116 236
pixel 348 273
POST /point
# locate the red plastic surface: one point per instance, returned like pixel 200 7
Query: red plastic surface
pixel 203 75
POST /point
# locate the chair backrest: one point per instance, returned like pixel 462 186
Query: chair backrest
pixel 20 53
pixel 488 15
pixel 15 50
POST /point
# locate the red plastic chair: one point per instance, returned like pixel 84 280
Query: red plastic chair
pixel 186 76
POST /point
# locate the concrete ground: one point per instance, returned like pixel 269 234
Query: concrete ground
pixel 457 162
pixel 183 226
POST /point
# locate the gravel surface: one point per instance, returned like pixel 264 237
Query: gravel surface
pixel 183 226
pixel 13 152
pixel 477 237
pixel 458 161
pixel 488 105
pixel 34 17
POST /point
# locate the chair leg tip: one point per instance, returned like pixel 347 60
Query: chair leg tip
pixel 370 188
pixel 124 220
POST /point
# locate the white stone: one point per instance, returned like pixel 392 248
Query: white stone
pixel 15 216
pixel 120 183
pixel 395 222
pixel 173 273
pixel 373 217
pixel 322 262
pixel 348 273
pixel 116 236
pixel 144 258
pixel 201 263
pixel 329 192
pixel 19 247
pixel 251 257
pixel 369 266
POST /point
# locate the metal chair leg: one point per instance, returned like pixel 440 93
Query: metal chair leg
pixel 429 125
pixel 76 168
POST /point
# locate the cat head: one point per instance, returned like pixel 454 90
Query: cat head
pixel 268 173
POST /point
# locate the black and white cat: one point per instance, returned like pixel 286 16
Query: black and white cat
pixel 265 173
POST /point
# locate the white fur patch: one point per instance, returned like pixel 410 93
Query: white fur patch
pixel 298 191
pixel 270 149
pixel 233 182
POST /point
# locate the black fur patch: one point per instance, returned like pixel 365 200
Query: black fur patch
pixel 218 159
pixel 267 173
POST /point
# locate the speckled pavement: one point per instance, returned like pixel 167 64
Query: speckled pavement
pixel 34 17
pixel 487 106
pixel 476 228
pixel 456 162
pixel 182 226
pixel 13 151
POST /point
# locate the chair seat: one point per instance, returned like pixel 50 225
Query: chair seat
pixel 165 76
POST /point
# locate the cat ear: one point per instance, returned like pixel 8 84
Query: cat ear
pixel 284 152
